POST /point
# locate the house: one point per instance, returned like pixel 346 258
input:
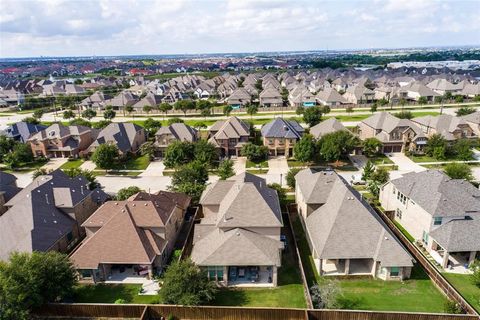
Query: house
pixel 229 136
pixel 450 127
pixel 22 130
pixel 48 214
pixel 396 135
pixel 128 137
pixel 58 141
pixel 8 189
pixel 95 101
pixel 271 97
pixel 442 214
pixel 237 241
pixel 280 136
pixel 325 127
pixel 150 100
pixel 416 90
pixel 136 235
pixel 359 94
pixel 471 90
pixel 330 97
pixel 473 120
pixel 300 96
pixel 442 86
pixel 239 98
pixel 174 132
pixel 346 236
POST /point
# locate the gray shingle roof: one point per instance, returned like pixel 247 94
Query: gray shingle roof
pixel 281 128
pixel 123 135
pixel 180 131
pixel 325 127
pixel 459 235
pixel 315 186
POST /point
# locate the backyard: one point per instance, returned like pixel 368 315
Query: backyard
pixel 463 283
pixel 108 293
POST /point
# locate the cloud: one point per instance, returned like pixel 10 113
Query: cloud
pixel 114 27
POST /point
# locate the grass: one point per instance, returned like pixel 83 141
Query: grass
pixel 72 164
pixel 417 294
pixel 465 286
pixel 404 231
pixel 108 293
pixel 27 166
pixel 257 171
pixel 307 260
pixel 133 163
pixel 380 159
pixel 426 158
pixel 257 164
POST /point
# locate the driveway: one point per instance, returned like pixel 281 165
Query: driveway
pixel 54 164
pixel 23 178
pixel 88 165
pixel 278 165
pixel 154 169
pixel 239 165
pixel 404 163
pixel 359 161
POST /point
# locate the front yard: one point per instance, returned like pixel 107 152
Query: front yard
pixel 72 164
pixel 464 284
pixel 263 164
pixel 426 158
pixel 380 159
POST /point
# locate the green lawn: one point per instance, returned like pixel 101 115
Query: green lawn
pixel 132 163
pixel 426 158
pixel 257 164
pixel 288 294
pixel 464 285
pixel 27 166
pixel 404 231
pixel 108 293
pixel 418 294
pixel 72 164
pixel 380 159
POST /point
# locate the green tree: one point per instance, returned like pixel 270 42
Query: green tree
pixel 23 152
pixel 165 107
pixel 225 169
pixel 300 110
pixel 178 153
pixel 6 145
pixel 402 102
pixel 447 96
pixel 148 149
pixel 312 116
pixel 305 149
pixel 125 193
pixel 205 107
pixel 205 152
pixel 11 161
pixel 463 149
pixel 435 141
pixel 190 179
pixel 227 109
pixel 383 102
pixel 349 109
pixel 439 153
pixel 254 152
pixel 371 147
pixel 463 111
pixel 290 178
pixel 37 173
pixel 199 125
pixel 89 114
pixel 129 109
pixel 379 177
pixel 459 98
pixel 373 108
pixel 458 170
pixel 258 85
pixel 326 295
pixel 184 106
pixel 29 280
pixel 101 124
pixel 174 120
pixel 185 284
pixel 38 114
pixel 336 145
pixel 105 156
pixel 404 114
pixel 147 109
pixel 326 110
pixel 368 170
pixel 281 192
pixel 31 120
pixel 87 174
pixel 438 99
pixel 68 114
pixel 109 114
pixel 422 100
pixel 475 267
pixel 151 126
pixel 252 109
pixel 476 98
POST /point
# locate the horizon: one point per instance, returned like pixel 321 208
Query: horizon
pixel 60 28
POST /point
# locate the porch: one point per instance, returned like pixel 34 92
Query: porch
pixel 248 276
pixel 454 262
pixel 340 267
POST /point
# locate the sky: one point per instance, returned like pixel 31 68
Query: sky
pixel 30 28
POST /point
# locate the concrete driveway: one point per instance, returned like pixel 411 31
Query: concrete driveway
pixel 404 163
pixel 88 165
pixel 278 165
pixel 239 165
pixel 23 178
pixel 54 164
pixel 359 161
pixel 154 169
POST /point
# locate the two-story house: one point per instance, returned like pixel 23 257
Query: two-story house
pixel 58 141
pixel 132 238
pixel 448 126
pixel 271 97
pixel 441 213
pixel 22 130
pixel 280 136
pixel 174 132
pixel 238 239
pixel 8 189
pixel 345 235
pixel 229 136
pixel 396 135
pixel 239 98
pixel 128 137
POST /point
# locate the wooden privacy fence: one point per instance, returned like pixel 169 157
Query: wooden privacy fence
pixel 156 312
pixel 437 278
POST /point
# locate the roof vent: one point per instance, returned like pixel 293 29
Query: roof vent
pixel 116 203
pixel 237 233
pixel 54 221
pixel 146 204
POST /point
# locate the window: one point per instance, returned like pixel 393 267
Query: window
pixel 215 273
pixel 69 236
pixel 437 221
pixel 393 190
pixel 394 271
pixel 398 213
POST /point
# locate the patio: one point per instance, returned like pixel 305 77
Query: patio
pixel 250 276
pixel 127 274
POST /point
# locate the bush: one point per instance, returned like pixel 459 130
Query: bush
pixel 291 177
pixel 475 267
pixel 125 193
pixel 120 301
pixel 254 152
pixel 451 307
pixel 459 171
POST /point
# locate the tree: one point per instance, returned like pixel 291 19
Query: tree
pixel 254 152
pixel 463 149
pixel 435 141
pixel 87 174
pixel 190 179
pixel 227 109
pixel 205 152
pixel 6 145
pixel 404 114
pixel 373 108
pixel 37 173
pixel 300 110
pixel 258 85
pixel 147 109
pixel 368 170
pixel 335 145
pixel 178 153
pixel 475 267
pixel 252 109
pixel 11 161
pixel 109 114
pixel 174 120
pixel 379 177
pixel 148 149
pixel 422 100
pixel 463 111
pixel 349 109
pixel 68 114
pixel 185 284
pixel 438 99
pixel 402 102
pixel 165 107
pixel 459 98
pixel 38 114
pixel 125 193
pixel 29 280
pixel 371 147
pixel 152 126
pixel 325 296
pixel 80 122
pixel 291 177
pixel 101 124
pixel 31 120
pixel 458 170
pixel 199 125
pixel 23 152
pixel 312 116
pixel 281 192
pixel 204 106
pixel 129 109
pixel 184 106
pixel 305 149
pixel 383 102
pixel 225 169
pixel 105 156
pixel 447 96
pixel 325 110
